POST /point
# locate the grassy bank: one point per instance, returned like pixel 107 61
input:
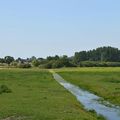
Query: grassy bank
pixel 35 95
pixel 104 82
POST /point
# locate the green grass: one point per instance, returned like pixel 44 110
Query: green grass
pixel 104 82
pixel 37 96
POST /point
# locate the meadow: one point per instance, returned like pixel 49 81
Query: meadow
pixel 34 95
pixel 103 81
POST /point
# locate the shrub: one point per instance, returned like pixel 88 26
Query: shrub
pixel 24 65
pixel 48 65
pixel 57 64
pixel 4 89
pixel 35 63
pixel 14 64
pixel 89 64
pixel 99 64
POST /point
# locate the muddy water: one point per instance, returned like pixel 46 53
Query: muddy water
pixel 90 101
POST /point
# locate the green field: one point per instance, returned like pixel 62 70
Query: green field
pixel 104 82
pixel 37 96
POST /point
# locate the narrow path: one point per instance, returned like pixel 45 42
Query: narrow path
pixel 89 100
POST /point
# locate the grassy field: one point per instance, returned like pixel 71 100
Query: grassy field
pixel 104 82
pixel 35 95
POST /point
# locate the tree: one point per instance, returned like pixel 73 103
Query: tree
pixel 24 65
pixel 103 54
pixel 35 63
pixel 32 58
pixel 8 59
pixel 80 56
pixel 2 60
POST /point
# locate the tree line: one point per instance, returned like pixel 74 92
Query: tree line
pixel 100 57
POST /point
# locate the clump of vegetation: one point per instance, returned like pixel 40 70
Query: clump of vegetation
pixel 100 57
pixel 98 64
pixel 57 62
pixel 103 54
pixel 114 81
pixel 24 65
pixel 99 117
pixel 4 89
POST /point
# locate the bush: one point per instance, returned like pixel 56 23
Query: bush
pixel 99 64
pixel 14 64
pixel 24 65
pixel 99 117
pixel 35 63
pixel 46 65
pixel 57 64
pixel 89 64
pixel 3 65
pixel 113 64
pixel 4 89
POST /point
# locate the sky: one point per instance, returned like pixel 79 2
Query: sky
pixel 48 27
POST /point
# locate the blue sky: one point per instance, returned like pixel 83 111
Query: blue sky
pixel 48 27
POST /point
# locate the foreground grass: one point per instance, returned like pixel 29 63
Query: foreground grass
pixel 35 95
pixel 104 82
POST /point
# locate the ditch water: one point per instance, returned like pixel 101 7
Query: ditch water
pixel 90 101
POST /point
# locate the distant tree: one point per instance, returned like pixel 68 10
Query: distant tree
pixel 14 64
pixel 80 56
pixel 64 60
pixel 21 60
pixel 56 57
pixel 40 59
pixel 2 60
pixel 8 59
pixel 35 63
pixel 24 65
pixel 103 54
pixel 32 58
pixel 57 64
pixel 49 58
